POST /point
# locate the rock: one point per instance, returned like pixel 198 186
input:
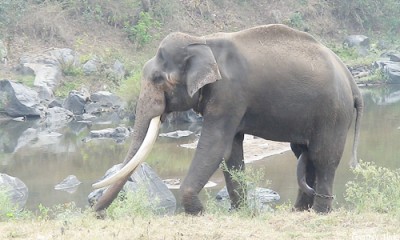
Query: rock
pixel 259 198
pixel 3 53
pixel 393 72
pixel 106 99
pixel 119 134
pixel 175 183
pixel 189 116
pixel 69 184
pixel 47 68
pixel 19 101
pixel 92 66
pixel 176 134
pixel 360 42
pixel 55 103
pixel 394 57
pixel 390 66
pixel 144 180
pixel 118 70
pixel 75 102
pixel 57 117
pixel 15 189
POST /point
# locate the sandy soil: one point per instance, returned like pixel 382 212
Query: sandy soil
pixel 256 148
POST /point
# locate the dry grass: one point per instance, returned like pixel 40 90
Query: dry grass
pixel 283 224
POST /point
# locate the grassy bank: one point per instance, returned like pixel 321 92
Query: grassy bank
pixel 372 212
pixel 283 224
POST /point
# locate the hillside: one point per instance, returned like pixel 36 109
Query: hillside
pixel 131 30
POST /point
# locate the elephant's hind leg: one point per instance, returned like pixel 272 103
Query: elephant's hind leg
pixel 236 190
pixel 326 158
pixel 304 201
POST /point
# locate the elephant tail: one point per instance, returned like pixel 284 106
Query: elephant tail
pixel 359 106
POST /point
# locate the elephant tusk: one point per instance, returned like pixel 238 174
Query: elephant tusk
pixel 139 157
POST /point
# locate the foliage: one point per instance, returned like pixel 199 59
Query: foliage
pixel 141 32
pixel 371 14
pixel 248 181
pixel 375 189
pixel 10 12
pixel 130 86
pixel 131 204
pixel 67 86
pixel 296 20
pixel 8 210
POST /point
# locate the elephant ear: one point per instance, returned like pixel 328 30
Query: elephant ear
pixel 201 67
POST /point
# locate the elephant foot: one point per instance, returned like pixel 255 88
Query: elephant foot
pixel 304 202
pixel 192 205
pixel 323 204
pixel 322 208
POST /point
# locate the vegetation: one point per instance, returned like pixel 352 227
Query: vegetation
pixel 373 211
pixel 128 31
pixel 374 189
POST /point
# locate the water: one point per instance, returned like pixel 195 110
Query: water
pixel 44 160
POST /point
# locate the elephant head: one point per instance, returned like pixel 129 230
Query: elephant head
pixel 171 81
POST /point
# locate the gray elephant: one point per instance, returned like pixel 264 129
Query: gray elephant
pixel 270 81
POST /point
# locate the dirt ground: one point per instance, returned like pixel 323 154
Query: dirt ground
pixel 256 148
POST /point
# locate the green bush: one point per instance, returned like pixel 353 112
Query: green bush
pixel 248 181
pixel 8 210
pixel 141 32
pixel 131 204
pixel 10 12
pixel 375 189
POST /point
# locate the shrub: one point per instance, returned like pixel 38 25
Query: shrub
pixel 8 210
pixel 141 32
pixel 374 189
pixel 248 181
pixel 131 204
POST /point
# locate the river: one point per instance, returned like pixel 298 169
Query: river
pixel 45 160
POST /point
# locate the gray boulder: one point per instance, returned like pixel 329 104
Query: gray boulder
pixel 161 200
pixel 119 134
pixel 15 189
pixel 106 99
pixel 188 116
pixel 47 68
pixel 390 66
pixel 92 66
pixel 57 117
pixel 19 101
pixel 258 198
pixel 359 42
pixel 69 184
pixel 75 102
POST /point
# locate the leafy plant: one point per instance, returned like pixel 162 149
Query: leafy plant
pixel 9 210
pixel 247 180
pixel 296 20
pixel 132 204
pixel 141 32
pixel 375 189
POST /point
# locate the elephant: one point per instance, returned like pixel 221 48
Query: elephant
pixel 270 81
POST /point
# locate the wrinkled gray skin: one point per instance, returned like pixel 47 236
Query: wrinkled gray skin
pixel 269 81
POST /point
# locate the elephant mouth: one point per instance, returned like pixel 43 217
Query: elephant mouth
pixel 163 117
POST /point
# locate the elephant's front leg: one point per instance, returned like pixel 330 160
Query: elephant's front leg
pixel 237 191
pixel 214 146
